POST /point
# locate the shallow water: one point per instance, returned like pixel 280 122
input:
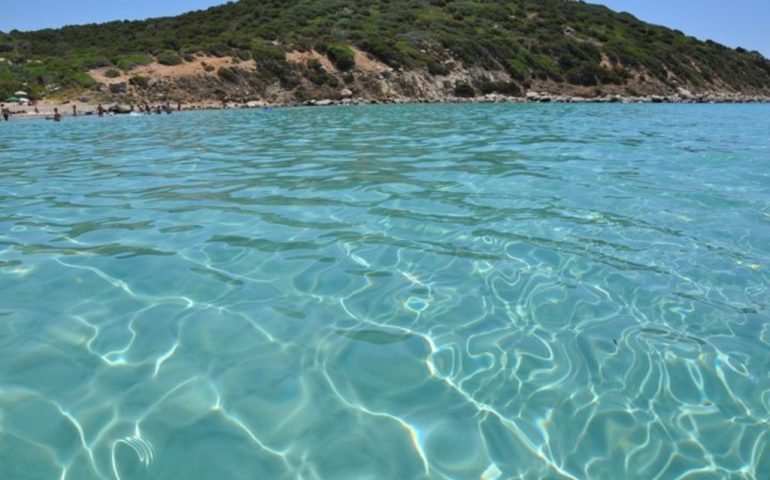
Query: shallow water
pixel 411 292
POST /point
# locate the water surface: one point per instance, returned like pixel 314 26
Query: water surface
pixel 411 292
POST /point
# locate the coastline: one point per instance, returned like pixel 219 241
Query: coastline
pixel 46 107
pixel 545 97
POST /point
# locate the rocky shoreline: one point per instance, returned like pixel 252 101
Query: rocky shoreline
pixel 530 97
pixel 683 97
pixel 544 97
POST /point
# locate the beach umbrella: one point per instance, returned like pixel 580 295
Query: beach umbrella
pixel 21 93
pixel 12 99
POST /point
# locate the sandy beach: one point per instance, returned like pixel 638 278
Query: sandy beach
pixel 45 109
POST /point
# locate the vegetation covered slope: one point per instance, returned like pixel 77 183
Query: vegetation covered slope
pixel 558 42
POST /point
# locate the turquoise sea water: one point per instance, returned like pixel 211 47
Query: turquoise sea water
pixel 407 292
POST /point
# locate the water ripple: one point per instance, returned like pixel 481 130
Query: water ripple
pixel 417 292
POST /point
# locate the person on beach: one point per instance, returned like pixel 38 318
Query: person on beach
pixel 56 115
pixel 179 106
pixel 74 110
pixel 100 110
pixel 5 111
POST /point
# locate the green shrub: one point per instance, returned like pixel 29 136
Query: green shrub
pixel 188 57
pixel 228 75
pixel 585 75
pixel 169 58
pixel 509 88
pixel 95 62
pixel 273 68
pixel 615 77
pixel 112 73
pixel 487 87
pixel 291 79
pixel 517 69
pixel 436 68
pixel 82 80
pixel 219 50
pixel 465 90
pixel 545 66
pixel 315 65
pixel 129 62
pixel 139 81
pixel 388 51
pixel 342 56
pixel 322 77
pixel 262 50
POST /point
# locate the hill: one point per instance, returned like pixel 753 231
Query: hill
pixel 300 49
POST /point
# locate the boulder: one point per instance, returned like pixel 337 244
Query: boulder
pixel 686 94
pixel 120 109
pixel 118 87
pixel 346 93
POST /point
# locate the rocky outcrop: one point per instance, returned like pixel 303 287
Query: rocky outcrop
pixel 383 85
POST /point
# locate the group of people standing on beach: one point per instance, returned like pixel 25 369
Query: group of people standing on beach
pixel 6 112
pixel 145 109
pixel 165 108
pixel 101 111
